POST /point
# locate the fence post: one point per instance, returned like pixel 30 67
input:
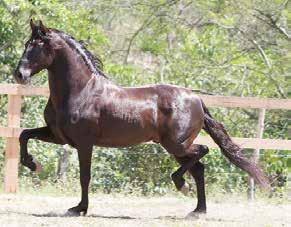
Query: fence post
pixel 12 145
pixel 256 154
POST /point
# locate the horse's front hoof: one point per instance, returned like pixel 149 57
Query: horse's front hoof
pixel 72 213
pixel 76 211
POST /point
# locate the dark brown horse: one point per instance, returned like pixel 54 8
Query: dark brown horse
pixel 85 109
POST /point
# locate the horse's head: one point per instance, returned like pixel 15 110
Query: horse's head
pixel 38 54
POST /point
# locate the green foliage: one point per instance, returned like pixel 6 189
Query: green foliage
pixel 223 47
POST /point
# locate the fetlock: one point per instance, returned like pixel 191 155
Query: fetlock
pixel 28 162
pixel 178 181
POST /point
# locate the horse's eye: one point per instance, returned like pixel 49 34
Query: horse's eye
pixel 29 43
pixel 38 43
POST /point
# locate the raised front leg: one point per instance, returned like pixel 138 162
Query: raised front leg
pixel 43 134
pixel 85 156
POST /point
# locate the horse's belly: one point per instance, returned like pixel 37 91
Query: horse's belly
pixel 121 134
pixel 120 142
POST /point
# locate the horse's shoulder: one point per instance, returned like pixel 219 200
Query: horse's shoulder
pixel 49 113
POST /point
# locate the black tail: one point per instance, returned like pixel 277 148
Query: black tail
pixel 231 150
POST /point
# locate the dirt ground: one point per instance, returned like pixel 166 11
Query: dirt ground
pixel 107 210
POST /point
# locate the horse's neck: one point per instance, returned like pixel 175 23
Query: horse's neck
pixel 67 79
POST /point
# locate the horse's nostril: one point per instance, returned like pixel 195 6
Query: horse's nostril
pixel 20 76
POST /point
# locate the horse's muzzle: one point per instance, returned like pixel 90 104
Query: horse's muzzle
pixel 21 78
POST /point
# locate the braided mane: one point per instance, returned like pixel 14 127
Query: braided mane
pixel 93 62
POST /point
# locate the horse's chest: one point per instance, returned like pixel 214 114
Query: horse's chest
pixel 75 130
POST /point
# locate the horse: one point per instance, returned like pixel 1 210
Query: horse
pixel 85 108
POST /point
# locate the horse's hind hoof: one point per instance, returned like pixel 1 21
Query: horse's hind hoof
pixel 185 189
pixel 76 212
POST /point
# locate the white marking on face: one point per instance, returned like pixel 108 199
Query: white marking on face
pixel 24 61
pixel 23 65
pixel 25 71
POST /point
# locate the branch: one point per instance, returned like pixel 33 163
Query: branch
pixel 148 21
pixel 4 46
pixel 260 49
pixel 14 14
pixel 135 34
pixel 271 22
pixel 262 52
pixel 254 42
pixel 210 22
pixel 267 62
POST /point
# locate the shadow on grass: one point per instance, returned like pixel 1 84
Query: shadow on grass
pixel 121 217
pixel 65 215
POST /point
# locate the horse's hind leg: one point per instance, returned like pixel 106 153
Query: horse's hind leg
pixel 194 154
pixel 197 171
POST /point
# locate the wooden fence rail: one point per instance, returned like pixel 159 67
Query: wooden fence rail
pixel 12 131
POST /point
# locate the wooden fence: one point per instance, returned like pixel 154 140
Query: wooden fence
pixel 12 130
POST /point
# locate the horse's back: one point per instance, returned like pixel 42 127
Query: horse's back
pixel 170 101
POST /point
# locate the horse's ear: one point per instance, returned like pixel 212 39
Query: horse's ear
pixel 32 25
pixel 43 28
